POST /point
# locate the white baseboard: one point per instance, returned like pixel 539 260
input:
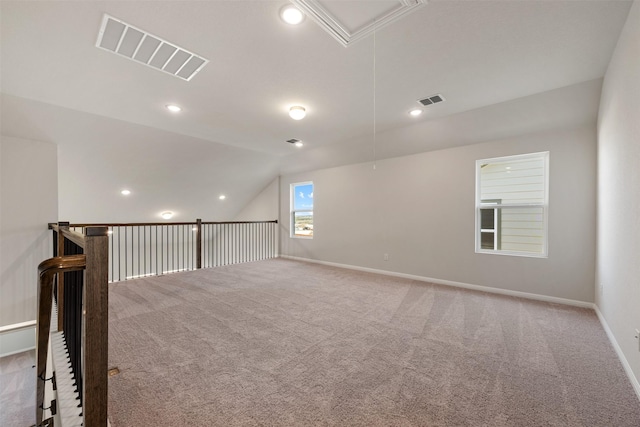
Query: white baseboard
pixel 508 292
pixel 17 338
pixel 621 356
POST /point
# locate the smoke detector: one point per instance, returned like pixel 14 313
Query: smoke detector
pixel 116 36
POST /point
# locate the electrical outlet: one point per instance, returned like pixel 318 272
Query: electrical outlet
pixel 386 257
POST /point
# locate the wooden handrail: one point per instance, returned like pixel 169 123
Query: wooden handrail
pixel 46 272
pixel 141 224
pixel 91 342
pixel 74 236
pixel 192 250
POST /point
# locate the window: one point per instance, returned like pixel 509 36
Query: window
pixel 512 197
pixel 490 226
pixel 302 210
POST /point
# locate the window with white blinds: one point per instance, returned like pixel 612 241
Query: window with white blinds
pixel 512 201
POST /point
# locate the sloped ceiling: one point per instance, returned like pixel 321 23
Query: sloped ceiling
pixel 58 87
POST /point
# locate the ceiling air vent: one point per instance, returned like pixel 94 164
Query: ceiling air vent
pixel 293 141
pixel 434 99
pixel 126 40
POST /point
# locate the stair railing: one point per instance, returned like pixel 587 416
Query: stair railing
pixel 84 323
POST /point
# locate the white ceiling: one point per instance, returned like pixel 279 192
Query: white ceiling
pixel 481 55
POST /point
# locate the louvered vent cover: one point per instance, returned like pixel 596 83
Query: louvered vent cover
pixel 434 99
pixel 126 40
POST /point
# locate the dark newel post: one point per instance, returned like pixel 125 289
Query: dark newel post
pixel 95 326
pixel 63 224
pixel 199 243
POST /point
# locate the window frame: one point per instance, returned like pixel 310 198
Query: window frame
pixel 491 204
pixel 497 224
pixel 293 211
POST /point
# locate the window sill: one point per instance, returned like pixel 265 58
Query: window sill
pixel 509 253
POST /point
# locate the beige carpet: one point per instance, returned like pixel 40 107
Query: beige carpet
pixel 18 390
pixel 285 343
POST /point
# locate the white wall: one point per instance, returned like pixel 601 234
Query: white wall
pixel 566 107
pixel 618 257
pixel 164 170
pixel 28 201
pixel 419 209
pixel 264 206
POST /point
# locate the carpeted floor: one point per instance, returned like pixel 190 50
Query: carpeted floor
pixel 18 390
pixel 286 343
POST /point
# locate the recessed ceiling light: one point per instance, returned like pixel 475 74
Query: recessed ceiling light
pixel 125 192
pixel 222 197
pixel 297 112
pixel 174 108
pixel 298 144
pixel 291 15
pixel 415 112
pixel 167 215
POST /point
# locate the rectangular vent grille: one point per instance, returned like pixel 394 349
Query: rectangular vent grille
pixel 434 99
pixel 123 39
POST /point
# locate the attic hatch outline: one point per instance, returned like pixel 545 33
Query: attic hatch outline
pixel 339 31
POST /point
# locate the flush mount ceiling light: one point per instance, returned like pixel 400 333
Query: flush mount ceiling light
pixel 167 215
pixel 297 112
pixel 123 39
pixel 125 192
pixel 291 15
pixel 415 112
pixel 295 142
pixel 173 108
pixel 222 197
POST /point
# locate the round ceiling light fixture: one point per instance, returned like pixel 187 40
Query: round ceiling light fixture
pixel 167 215
pixel 291 15
pixel 415 112
pixel 298 144
pixel 125 192
pixel 297 112
pixel 173 108
pixel 222 197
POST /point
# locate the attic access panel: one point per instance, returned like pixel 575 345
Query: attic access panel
pixel 351 21
pixel 116 36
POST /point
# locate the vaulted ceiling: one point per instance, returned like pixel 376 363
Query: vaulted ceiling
pixel 503 67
